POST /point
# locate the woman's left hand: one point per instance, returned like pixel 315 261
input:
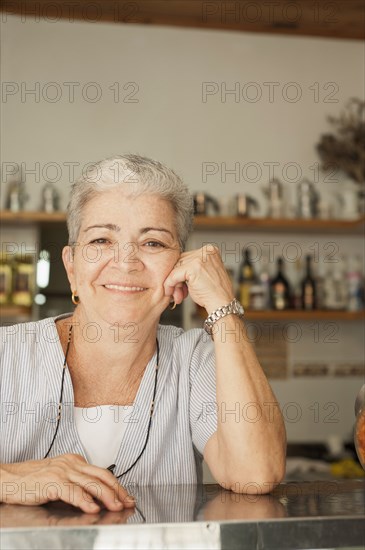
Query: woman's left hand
pixel 201 274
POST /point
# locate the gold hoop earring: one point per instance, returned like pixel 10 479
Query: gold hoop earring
pixel 173 306
pixel 75 298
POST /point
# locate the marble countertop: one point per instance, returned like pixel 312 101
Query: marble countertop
pixel 313 514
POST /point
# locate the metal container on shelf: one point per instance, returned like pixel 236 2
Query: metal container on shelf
pixel 50 198
pixel 275 196
pixel 205 205
pixel 16 197
pixel 243 204
pixel 308 199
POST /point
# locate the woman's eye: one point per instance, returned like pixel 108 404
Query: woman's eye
pixel 99 241
pixel 154 244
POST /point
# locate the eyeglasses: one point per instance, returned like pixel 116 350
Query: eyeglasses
pixel 112 466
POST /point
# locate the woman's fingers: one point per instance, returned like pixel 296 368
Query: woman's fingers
pixel 69 478
pixel 80 499
pixel 113 491
pixel 90 492
pixel 207 280
pixel 178 294
pixel 97 483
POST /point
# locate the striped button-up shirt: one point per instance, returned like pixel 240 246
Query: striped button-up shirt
pixel 184 417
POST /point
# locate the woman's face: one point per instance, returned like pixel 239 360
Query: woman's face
pixel 126 248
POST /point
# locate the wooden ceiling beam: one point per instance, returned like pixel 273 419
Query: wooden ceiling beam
pixel 326 18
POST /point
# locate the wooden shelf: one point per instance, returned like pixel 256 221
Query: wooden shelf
pixel 7 216
pixel 319 315
pixel 221 223
pixel 15 312
pixel 297 315
pixel 285 225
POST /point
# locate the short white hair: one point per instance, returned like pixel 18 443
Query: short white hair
pixel 140 175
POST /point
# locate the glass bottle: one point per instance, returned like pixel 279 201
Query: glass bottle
pixel 335 288
pixel 354 278
pixel 320 286
pixel 308 287
pixel 246 278
pixel 23 282
pixel 329 290
pixel 264 282
pixel 257 298
pixel 296 302
pixel 5 280
pixel 280 288
pixel 342 295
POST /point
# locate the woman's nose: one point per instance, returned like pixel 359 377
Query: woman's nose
pixel 128 256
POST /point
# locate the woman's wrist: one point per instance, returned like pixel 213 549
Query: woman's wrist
pixel 217 302
pixel 8 483
pixel 6 470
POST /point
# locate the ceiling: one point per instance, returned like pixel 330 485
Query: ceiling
pixel 326 18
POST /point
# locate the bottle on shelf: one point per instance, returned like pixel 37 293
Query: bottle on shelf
pixel 23 282
pixel 257 298
pixel 354 279
pixel 296 296
pixel 329 291
pixel 246 278
pixel 308 287
pixel 260 290
pixel 320 286
pixel 280 288
pixel 335 288
pixel 5 280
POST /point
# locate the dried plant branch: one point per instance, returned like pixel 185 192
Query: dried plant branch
pixel 345 149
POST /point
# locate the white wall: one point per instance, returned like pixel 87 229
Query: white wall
pixel 171 122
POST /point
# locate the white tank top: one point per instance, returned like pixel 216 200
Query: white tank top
pixel 101 430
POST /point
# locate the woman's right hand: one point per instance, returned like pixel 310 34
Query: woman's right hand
pixel 66 477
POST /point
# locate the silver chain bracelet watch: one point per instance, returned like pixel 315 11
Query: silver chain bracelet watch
pixel 233 307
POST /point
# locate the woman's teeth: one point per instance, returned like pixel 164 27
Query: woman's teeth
pixel 125 288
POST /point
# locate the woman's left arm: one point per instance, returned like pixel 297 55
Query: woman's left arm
pixel 247 452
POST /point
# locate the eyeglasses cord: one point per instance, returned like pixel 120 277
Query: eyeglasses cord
pixel 112 466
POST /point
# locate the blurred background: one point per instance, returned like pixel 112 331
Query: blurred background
pixel 259 106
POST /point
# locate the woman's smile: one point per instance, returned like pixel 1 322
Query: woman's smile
pixel 124 289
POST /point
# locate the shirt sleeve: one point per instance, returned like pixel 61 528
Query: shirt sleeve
pixel 203 398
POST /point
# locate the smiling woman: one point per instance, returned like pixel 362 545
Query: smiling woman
pixel 136 402
pixel 126 247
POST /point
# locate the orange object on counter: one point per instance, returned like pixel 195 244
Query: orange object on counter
pixel 360 437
